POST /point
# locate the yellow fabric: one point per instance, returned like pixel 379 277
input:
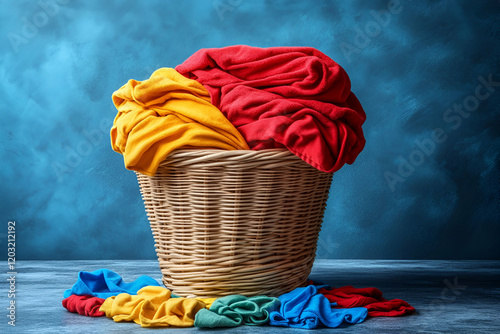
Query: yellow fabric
pixel 208 301
pixel 153 307
pixel 166 112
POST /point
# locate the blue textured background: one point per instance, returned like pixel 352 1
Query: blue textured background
pixel 72 198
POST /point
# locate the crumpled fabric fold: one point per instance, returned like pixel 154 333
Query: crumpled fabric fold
pixel 154 307
pixel 305 308
pixel 163 113
pixel 84 305
pixel 370 298
pixel 104 283
pixel 236 310
pixel 293 97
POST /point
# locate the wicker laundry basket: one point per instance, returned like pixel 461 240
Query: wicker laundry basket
pixel 235 222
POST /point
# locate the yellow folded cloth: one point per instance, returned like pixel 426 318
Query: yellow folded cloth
pixel 166 112
pixel 153 307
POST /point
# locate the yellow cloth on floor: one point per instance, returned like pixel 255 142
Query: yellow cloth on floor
pixel 153 307
pixel 166 112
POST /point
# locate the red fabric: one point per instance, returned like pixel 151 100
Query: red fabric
pixel 294 97
pixel 371 298
pixel 84 305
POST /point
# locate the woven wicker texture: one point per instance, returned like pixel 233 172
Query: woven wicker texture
pixel 235 222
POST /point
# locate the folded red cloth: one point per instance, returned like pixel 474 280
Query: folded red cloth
pixel 84 305
pixel 371 298
pixel 293 97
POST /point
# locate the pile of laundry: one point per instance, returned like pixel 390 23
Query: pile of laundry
pixel 239 98
pixel 236 98
pixel 143 301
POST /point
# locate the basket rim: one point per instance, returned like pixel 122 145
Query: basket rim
pixel 221 152
pixel 201 156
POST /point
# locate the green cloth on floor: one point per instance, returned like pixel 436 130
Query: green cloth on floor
pixel 236 310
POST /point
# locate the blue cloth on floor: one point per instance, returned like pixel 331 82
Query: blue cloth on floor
pixel 104 283
pixel 306 308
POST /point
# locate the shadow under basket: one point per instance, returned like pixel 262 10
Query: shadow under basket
pixel 235 222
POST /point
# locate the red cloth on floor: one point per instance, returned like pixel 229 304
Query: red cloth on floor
pixel 84 305
pixel 371 298
pixel 294 97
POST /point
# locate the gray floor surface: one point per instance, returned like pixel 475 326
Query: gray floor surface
pixel 450 296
